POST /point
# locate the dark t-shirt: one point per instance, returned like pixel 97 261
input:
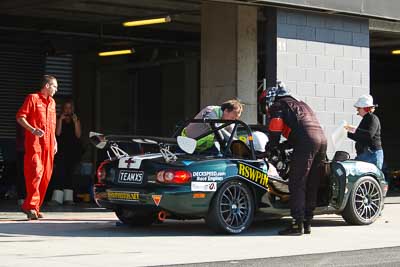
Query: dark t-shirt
pixel 368 134
pixel 69 145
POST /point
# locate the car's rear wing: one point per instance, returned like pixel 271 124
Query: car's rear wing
pixel 101 141
pixel 186 144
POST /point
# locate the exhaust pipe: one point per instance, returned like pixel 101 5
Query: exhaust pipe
pixel 162 215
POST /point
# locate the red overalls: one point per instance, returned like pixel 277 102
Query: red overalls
pixel 40 112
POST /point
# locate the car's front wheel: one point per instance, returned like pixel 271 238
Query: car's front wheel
pixel 365 202
pixel 232 209
pixel 134 218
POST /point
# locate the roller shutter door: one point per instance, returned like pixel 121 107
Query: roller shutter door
pixel 21 69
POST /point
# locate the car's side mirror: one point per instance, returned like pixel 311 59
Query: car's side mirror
pixel 98 140
pixel 187 144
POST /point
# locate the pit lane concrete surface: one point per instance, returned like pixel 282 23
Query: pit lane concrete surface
pixel 87 236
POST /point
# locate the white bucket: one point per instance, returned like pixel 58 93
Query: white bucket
pixel 58 196
pixel 68 195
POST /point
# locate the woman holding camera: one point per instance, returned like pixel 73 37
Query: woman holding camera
pixel 68 132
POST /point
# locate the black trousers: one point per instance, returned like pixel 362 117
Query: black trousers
pixel 64 173
pixel 305 175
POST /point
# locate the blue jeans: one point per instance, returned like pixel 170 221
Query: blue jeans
pixel 374 157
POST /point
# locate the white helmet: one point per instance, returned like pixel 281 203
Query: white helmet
pixel 260 139
pixel 364 101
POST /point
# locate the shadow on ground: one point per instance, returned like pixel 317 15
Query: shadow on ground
pixel 113 228
pixel 89 221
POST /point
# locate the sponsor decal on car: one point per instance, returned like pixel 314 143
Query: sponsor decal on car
pixel 127 196
pixel 130 177
pixel 199 195
pixel 156 199
pixel 204 186
pixel 208 176
pixel 135 161
pixel 255 175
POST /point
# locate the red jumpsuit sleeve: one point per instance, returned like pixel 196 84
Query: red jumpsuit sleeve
pixel 276 124
pixel 26 108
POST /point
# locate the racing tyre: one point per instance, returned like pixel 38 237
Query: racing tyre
pixel 134 218
pixel 232 209
pixel 365 202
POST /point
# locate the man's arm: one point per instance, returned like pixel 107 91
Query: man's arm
pixel 276 125
pixel 24 123
pixel 55 145
pixel 366 131
pixel 59 125
pixel 25 111
pixel 77 127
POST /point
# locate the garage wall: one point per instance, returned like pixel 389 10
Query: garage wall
pixel 324 60
pixel 21 69
pixel 147 98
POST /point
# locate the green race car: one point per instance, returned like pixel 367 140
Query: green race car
pixel 228 188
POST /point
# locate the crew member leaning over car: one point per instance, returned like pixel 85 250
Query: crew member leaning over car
pixel 296 121
pixel 229 110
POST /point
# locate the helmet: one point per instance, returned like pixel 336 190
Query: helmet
pixel 364 101
pixel 260 139
pixel 268 96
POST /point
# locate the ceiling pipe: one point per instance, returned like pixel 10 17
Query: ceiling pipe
pixel 384 43
pixel 103 36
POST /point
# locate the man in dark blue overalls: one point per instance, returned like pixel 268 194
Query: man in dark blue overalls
pixel 296 121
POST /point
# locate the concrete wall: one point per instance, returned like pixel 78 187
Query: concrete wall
pixel 229 56
pixel 324 60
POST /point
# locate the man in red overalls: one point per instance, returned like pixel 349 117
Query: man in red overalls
pixel 38 116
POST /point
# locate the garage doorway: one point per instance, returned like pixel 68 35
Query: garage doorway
pixel 385 88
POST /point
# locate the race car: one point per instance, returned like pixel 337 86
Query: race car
pixel 228 188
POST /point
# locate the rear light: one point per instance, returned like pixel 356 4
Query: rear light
pixel 101 172
pixel 174 177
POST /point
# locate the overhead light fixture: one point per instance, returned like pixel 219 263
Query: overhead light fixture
pixel 117 52
pixel 146 21
pixel 395 52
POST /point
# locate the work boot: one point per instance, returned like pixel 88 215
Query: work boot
pixel 307 226
pixel 31 214
pixel 295 228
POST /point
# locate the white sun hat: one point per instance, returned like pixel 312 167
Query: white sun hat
pixel 364 101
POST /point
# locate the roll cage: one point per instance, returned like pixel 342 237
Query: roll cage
pixel 215 126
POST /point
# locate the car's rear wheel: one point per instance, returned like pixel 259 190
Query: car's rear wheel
pixel 365 202
pixel 232 209
pixel 135 218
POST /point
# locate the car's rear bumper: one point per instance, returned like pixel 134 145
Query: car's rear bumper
pixel 177 200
